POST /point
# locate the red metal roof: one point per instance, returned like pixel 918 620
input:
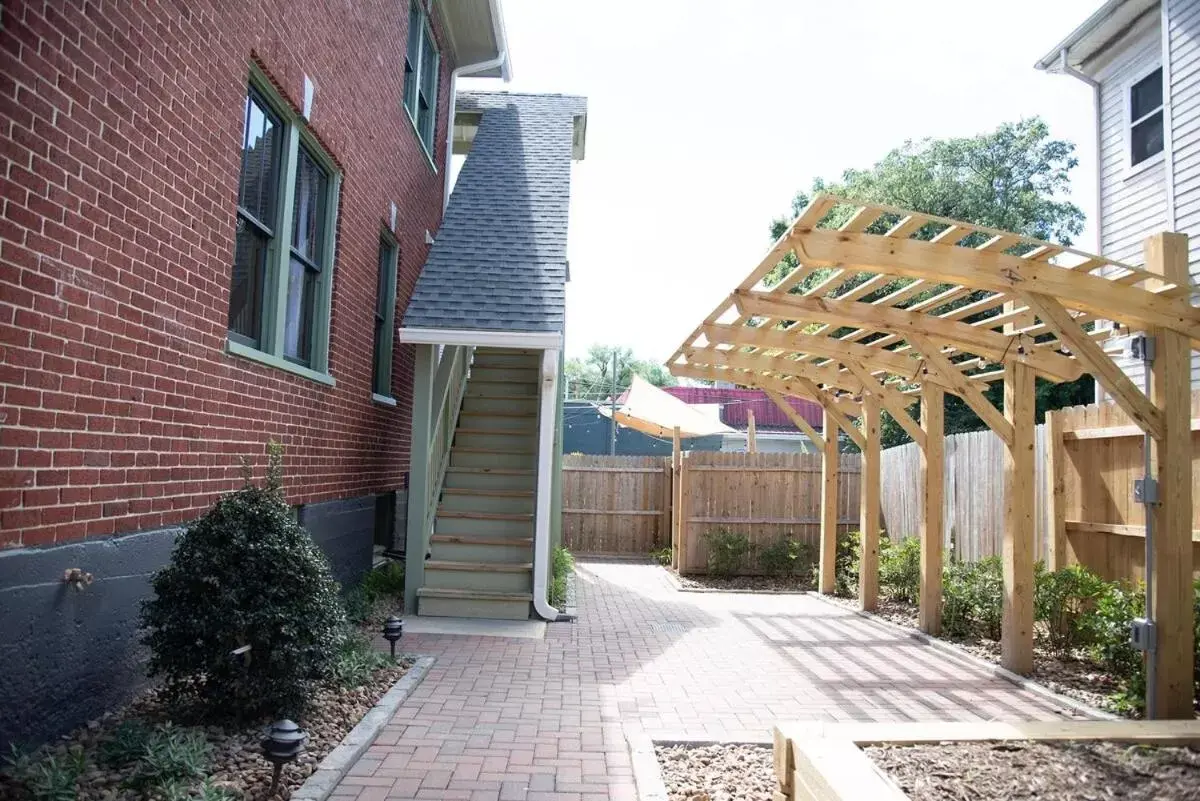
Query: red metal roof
pixel 735 403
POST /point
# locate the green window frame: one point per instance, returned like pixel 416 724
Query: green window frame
pixel 385 316
pixel 421 64
pixel 281 285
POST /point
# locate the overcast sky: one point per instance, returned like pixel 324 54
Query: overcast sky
pixel 704 118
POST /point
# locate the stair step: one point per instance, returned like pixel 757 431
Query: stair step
pixel 464 539
pixel 497 451
pixel 479 567
pixel 489 493
pixel 500 471
pixel 447 513
pixel 479 595
pixel 497 396
pixel 497 432
pixel 499 414
pixel 445 602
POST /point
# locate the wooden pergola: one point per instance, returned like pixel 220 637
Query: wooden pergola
pixel 903 307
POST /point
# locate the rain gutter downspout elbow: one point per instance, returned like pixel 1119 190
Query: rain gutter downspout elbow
pixel 547 402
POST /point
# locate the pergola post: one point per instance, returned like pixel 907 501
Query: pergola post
pixel 932 532
pixel 868 569
pixel 1171 518
pixel 1016 633
pixel 829 510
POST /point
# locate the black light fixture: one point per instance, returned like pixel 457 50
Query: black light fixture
pixel 393 630
pixel 283 743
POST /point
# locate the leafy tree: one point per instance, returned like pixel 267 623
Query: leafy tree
pixel 1012 178
pixel 591 378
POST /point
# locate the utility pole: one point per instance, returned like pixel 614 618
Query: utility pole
pixel 612 443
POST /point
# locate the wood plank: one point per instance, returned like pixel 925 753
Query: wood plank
pixel 1116 432
pixel 622 470
pixel 829 485
pixel 896 404
pixel 797 419
pixel 1056 552
pixel 638 512
pixel 932 533
pixel 751 441
pixel 838 770
pixel 1150 732
pixel 868 588
pixel 970 392
pixel 834 416
pixel 1171 597
pixel 1016 638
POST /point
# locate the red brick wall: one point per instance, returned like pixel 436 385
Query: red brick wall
pixel 121 126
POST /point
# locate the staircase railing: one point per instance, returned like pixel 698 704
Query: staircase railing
pixel 449 387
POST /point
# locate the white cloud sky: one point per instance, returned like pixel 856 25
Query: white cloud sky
pixel 704 118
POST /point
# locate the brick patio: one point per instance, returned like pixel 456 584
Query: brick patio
pixel 546 720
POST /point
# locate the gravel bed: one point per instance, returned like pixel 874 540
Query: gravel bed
pixel 1042 771
pixel 236 764
pixel 744 583
pixel 717 772
pixel 1077 678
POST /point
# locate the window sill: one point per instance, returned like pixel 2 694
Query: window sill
pixel 271 360
pixel 1135 170
pixel 383 400
pixel 412 123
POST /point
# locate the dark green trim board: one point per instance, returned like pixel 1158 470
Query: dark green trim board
pixel 385 315
pixel 418 476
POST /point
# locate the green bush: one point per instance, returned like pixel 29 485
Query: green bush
pixel 561 567
pixel 845 564
pixel 973 598
pixel 662 556
pixel 958 613
pixel 786 557
pixel 900 569
pixel 171 755
pixel 51 778
pixel 245 573
pixel 1115 611
pixel 357 660
pixel 384 583
pixel 726 552
pixel 1064 602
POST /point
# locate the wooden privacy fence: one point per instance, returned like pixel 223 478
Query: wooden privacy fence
pixel 616 505
pixel 765 496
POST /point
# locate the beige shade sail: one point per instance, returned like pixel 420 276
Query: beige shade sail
pixel 650 410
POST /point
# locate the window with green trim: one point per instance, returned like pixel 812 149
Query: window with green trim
pixel 385 315
pixel 283 259
pixel 421 62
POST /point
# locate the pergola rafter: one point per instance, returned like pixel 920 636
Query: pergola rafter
pixel 872 307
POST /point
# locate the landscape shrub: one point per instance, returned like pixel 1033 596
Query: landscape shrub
pixel 785 557
pixel 845 564
pixel 900 569
pixel 356 661
pixel 562 566
pixel 958 615
pixel 246 573
pixel 726 552
pixel 662 556
pixel 1115 610
pixel 384 583
pixel 1064 602
pixel 973 598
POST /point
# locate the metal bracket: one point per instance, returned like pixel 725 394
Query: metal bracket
pixel 1141 348
pixel 1145 490
pixel 1142 635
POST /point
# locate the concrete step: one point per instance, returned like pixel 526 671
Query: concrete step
pixel 485 403
pixel 501 388
pixel 516 577
pixel 504 374
pixel 496 440
pixel 499 421
pixel 485 524
pixel 477 500
pixel 444 602
pixel 493 550
pixel 490 478
pixel 488 457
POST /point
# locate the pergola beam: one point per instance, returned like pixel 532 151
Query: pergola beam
pixel 968 391
pixel 868 569
pixel 819 374
pixel 747 378
pixel 1016 632
pixel 797 419
pixel 932 528
pixel 831 409
pixel 896 403
pixel 998 272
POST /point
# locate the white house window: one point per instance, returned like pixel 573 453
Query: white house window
pixel 1146 118
pixel 421 62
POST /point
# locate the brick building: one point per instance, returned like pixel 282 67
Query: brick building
pixel 213 216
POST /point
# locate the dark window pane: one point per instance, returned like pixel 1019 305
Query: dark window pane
pixel 382 296
pixel 260 157
pixel 416 24
pixel 301 297
pixel 1146 95
pixel 246 287
pixel 308 213
pixel 385 263
pixel 1146 138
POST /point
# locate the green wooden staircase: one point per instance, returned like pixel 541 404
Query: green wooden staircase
pixel 481 550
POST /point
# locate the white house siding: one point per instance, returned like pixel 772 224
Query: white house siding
pixel 1184 16
pixel 1133 204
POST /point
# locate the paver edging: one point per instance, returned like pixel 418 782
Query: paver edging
pixel 338 762
pixel 674 580
pixel 952 650
pixel 647 772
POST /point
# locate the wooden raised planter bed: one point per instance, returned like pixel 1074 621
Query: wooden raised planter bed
pixel 825 761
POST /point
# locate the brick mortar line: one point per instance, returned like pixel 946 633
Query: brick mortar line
pixel 337 763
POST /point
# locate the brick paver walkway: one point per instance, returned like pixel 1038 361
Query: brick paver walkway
pixel 546 720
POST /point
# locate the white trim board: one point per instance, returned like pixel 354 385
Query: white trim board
pixel 485 339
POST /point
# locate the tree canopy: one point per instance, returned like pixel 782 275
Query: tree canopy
pixel 591 377
pixel 1013 178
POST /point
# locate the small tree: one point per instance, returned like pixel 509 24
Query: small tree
pixel 245 573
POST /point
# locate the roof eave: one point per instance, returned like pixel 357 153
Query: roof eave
pixel 1109 22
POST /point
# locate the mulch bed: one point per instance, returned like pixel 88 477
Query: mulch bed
pixel 1075 677
pixel 717 772
pixel 237 764
pixel 746 583
pixel 1043 771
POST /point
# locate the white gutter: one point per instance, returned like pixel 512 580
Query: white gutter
pixel 548 402
pixel 501 61
pixel 533 340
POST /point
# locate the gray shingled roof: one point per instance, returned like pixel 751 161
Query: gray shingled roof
pixel 499 262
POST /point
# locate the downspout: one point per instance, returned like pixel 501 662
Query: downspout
pixel 547 423
pixel 501 61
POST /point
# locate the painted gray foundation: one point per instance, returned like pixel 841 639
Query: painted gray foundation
pixel 68 656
